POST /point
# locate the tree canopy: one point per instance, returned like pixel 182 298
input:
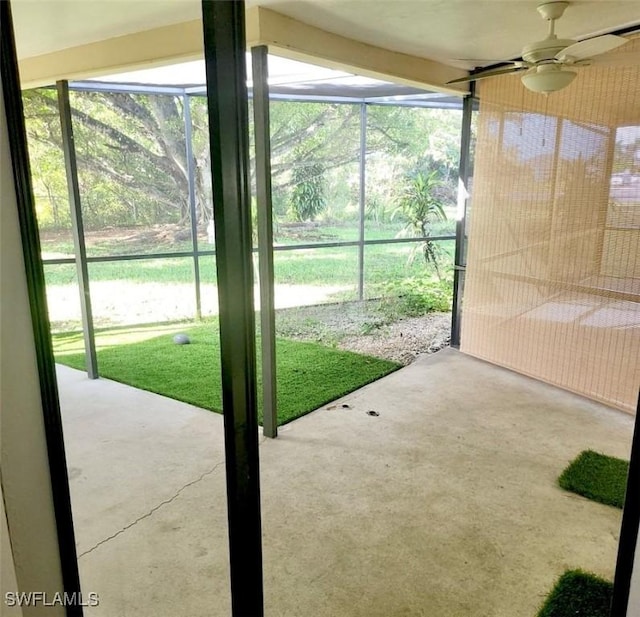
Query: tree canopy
pixel 132 157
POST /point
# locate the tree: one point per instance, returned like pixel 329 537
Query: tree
pixel 131 153
pixel 47 166
pixel 310 142
pixel 133 166
pixel 402 141
pixel 308 196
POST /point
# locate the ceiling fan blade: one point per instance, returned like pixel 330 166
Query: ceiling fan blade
pixel 490 73
pixel 623 58
pixel 480 61
pixel 591 47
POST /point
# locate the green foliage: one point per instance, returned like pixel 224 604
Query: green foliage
pixel 132 160
pixel 578 594
pixel 131 157
pixel 308 136
pixel 44 138
pixel 401 140
pixel 419 204
pixel 377 210
pixel 307 199
pixel 309 375
pixel 416 295
pixel 369 327
pixel 598 477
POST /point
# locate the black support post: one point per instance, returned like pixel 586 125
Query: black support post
pixel 193 213
pixel 362 170
pixel 460 258
pixel 69 148
pixel 628 529
pixel 224 42
pixel 259 58
pixel 34 275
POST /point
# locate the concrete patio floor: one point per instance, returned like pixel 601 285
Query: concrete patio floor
pixel 446 504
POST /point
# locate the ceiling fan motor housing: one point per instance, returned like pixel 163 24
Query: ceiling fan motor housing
pixel 545 50
pixel 552 10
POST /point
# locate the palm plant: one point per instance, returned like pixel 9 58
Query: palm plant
pixel 420 205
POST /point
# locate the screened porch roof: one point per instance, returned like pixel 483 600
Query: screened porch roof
pixel 289 79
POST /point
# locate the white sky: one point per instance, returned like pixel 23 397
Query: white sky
pixel 627 134
pixel 281 71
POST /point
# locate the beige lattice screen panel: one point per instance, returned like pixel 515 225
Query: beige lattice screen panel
pixel 553 278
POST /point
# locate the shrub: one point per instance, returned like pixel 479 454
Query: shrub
pixel 308 199
pixel 417 295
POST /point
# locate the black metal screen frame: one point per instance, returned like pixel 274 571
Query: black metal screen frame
pixel 469 106
pixel 80 249
pixel 224 42
pixel 196 253
pixel 34 275
pixel 628 528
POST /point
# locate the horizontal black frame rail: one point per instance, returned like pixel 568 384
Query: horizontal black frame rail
pixel 184 93
pixel 282 247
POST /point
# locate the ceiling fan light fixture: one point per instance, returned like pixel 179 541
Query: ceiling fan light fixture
pixel 549 80
pixel 549 61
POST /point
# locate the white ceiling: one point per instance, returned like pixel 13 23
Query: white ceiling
pixel 449 30
pixel 43 26
pixel 445 30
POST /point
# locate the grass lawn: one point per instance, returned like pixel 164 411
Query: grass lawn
pixel 328 266
pixel 597 477
pixel 578 594
pixel 141 240
pixel 309 375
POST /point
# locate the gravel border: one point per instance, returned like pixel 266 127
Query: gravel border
pixel 363 328
pixel 404 340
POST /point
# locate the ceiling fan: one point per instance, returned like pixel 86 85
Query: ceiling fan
pixel 547 65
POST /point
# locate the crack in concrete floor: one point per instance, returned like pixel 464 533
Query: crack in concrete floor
pixel 153 510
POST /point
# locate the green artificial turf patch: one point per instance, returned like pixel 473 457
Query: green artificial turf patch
pixel 309 375
pixel 598 477
pixel 578 594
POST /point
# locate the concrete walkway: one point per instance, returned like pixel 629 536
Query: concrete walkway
pixel 445 504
